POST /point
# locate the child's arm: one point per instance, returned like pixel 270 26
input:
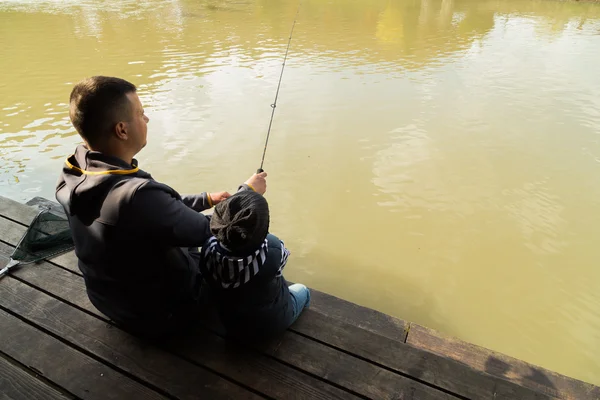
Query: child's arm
pixel 281 254
pixel 285 253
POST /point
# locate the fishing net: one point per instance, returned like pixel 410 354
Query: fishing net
pixel 47 236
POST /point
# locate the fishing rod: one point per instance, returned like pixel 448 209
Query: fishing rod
pixel 274 105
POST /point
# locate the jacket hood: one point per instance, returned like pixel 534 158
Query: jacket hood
pixel 88 177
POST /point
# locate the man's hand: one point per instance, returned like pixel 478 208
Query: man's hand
pixel 258 182
pixel 218 197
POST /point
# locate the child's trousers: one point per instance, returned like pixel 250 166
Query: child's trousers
pixel 300 299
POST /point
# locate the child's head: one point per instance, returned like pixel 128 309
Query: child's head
pixel 241 222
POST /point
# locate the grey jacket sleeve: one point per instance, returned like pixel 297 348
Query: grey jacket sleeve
pixel 158 214
pixel 197 202
pixel 200 202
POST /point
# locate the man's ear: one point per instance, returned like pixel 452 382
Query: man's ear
pixel 121 130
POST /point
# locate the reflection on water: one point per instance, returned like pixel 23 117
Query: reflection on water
pixel 433 159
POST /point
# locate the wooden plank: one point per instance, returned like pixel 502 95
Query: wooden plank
pixel 17 211
pixel 502 366
pixel 273 378
pixel 361 376
pixel 68 368
pixel 362 317
pixel 178 377
pixel 67 260
pixel 348 371
pixel 55 280
pixel 259 372
pixel 435 370
pixel 18 384
pixel 11 231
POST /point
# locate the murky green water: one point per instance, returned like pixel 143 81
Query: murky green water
pixel 436 160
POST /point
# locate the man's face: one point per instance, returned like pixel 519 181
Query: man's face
pixel 137 128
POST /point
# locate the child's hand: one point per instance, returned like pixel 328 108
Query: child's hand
pixel 218 197
pixel 258 182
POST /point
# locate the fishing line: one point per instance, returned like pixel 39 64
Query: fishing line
pixel 274 105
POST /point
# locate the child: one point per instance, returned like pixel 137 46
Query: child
pixel 242 266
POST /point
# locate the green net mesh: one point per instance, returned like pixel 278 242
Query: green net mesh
pixel 48 235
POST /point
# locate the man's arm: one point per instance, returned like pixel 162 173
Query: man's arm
pixel 197 202
pixel 204 201
pixel 158 215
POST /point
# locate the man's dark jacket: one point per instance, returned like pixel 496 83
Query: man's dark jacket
pixel 135 240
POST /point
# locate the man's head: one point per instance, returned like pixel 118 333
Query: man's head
pixel 108 114
pixel 241 223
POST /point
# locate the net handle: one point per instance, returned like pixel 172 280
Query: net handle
pixel 12 263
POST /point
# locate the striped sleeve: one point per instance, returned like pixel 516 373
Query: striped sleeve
pixel 285 253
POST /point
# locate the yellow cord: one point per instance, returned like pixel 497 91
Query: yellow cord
pixel 109 172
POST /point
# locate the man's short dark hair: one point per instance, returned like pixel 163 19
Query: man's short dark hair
pixel 97 104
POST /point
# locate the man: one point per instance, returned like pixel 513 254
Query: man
pixel 136 239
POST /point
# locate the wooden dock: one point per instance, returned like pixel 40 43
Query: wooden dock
pixel 55 345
